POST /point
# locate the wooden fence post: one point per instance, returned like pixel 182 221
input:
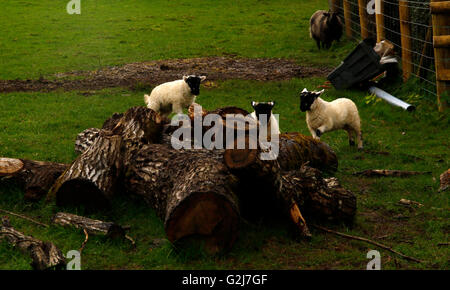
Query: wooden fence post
pixel 405 31
pixel 363 18
pixel 347 18
pixel 379 19
pixel 440 11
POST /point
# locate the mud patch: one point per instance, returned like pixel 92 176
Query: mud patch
pixel 145 74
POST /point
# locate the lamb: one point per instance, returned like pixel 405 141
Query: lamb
pixel 174 96
pixel 323 116
pixel 325 27
pixel 266 108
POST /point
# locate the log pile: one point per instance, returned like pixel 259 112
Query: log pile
pixel 200 194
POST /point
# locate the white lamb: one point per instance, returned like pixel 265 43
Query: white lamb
pixel 266 109
pixel 174 96
pixel 323 116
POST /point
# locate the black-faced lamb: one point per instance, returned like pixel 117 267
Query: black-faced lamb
pixel 265 108
pixel 174 96
pixel 323 116
pixel 325 27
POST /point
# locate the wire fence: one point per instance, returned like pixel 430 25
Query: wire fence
pixel 420 37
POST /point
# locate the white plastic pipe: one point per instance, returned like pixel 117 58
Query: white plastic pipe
pixel 391 99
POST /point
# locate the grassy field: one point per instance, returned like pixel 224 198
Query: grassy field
pixel 40 38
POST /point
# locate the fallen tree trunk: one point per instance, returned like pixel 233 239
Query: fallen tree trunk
pixel 35 177
pixel 191 191
pixel 138 124
pixel 44 255
pixel 91 179
pixel 296 149
pixel 96 227
pixel 318 198
pixel 388 173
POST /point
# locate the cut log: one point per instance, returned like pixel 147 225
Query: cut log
pixel 318 198
pixel 238 121
pixel 388 173
pixel 296 149
pixel 10 166
pixel 44 255
pixel 95 227
pixel 35 177
pixel 191 191
pixel 236 159
pixel 137 125
pixel 91 179
pixel 85 139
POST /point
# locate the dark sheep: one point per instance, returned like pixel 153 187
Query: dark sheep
pixel 325 27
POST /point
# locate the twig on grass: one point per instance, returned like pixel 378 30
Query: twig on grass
pixel 133 243
pixel 24 217
pixel 368 241
pixel 85 240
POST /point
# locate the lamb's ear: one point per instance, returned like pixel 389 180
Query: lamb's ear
pixel 202 78
pixel 254 104
pixel 319 93
pixel 304 90
pixel 185 78
pixel 272 104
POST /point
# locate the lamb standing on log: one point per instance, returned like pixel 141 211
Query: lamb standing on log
pixel 262 108
pixel 325 27
pixel 174 96
pixel 323 116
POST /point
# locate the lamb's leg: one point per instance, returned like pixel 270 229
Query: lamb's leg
pixel 177 108
pixel 359 137
pixel 313 133
pixel 319 131
pixel 351 140
pixel 318 43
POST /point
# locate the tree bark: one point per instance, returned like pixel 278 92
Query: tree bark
pixel 318 198
pixel 91 179
pixel 191 191
pixel 92 226
pixel 296 149
pixel 85 139
pixel 44 255
pixel 35 177
pixel 137 125
pixel 112 121
pixel 389 173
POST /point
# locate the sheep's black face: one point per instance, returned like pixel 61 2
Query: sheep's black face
pixel 194 83
pixel 262 108
pixel 307 99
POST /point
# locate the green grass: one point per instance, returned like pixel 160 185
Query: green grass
pixel 39 38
